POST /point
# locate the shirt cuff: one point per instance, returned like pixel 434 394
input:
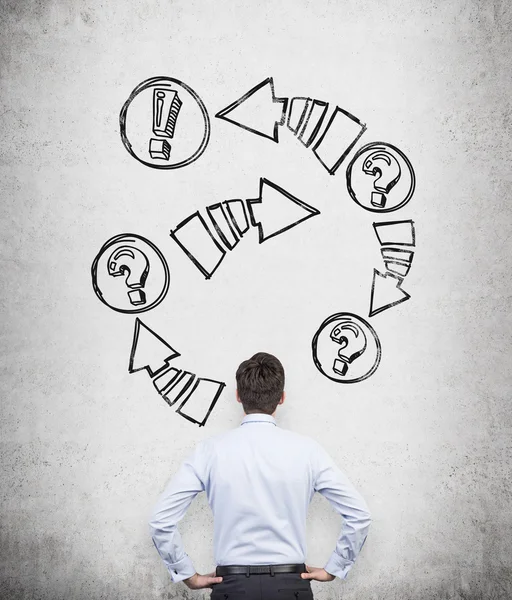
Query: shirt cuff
pixel 338 566
pixel 183 569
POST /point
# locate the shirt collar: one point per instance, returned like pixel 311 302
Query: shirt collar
pixel 258 418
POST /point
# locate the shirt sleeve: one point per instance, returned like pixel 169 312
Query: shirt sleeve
pixel 171 507
pixel 346 500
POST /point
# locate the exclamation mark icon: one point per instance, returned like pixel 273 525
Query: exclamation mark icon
pixel 166 107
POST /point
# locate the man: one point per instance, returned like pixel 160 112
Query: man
pixel 259 480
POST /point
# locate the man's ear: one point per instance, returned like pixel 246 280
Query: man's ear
pixel 283 397
pixel 237 396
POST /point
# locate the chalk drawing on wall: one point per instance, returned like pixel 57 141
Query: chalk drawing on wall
pixel 238 215
pixel 195 397
pixel 396 239
pixel 164 124
pixel 130 274
pixel 338 138
pixel 346 348
pixel 386 292
pixel 380 178
pixel 195 238
pixel 273 212
pixel 257 111
pixel 401 233
pixel 330 135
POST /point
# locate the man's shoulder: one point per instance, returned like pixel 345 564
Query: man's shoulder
pixel 219 438
pixel 288 435
pixel 232 434
pixel 299 438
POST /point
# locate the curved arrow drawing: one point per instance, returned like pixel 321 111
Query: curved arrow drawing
pixel 276 210
pixel 197 395
pixel 331 139
pixel 273 212
pixel 396 239
pixel 386 292
pixel 257 111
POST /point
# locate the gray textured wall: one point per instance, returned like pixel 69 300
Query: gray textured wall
pixel 86 448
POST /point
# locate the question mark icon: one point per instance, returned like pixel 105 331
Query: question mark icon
pixel 352 341
pixel 388 172
pixel 128 260
pixel 130 274
pixel 346 348
pixel 392 180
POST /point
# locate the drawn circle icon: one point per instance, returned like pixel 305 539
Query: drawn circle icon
pixel 164 124
pixel 346 348
pixel 130 274
pixel 380 178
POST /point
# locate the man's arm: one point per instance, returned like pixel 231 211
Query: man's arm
pixel 170 509
pixel 346 500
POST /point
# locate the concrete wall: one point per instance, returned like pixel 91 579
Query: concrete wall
pixel 87 447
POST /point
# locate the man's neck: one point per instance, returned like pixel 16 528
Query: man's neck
pixel 261 413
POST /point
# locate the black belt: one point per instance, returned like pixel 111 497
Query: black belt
pixel 259 569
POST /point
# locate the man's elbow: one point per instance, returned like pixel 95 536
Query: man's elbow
pixel 154 528
pixel 365 518
pixel 157 526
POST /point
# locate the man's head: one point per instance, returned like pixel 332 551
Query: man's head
pixel 260 383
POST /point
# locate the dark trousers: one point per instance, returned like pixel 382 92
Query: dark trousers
pixel 280 586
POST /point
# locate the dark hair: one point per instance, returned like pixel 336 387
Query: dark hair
pixel 260 383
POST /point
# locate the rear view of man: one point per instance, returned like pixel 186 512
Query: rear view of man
pixel 259 480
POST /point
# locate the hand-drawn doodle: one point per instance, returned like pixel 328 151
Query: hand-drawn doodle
pixel 194 237
pixel 397 260
pixel 151 353
pixel 223 225
pixel 398 254
pixel 257 111
pixel 396 239
pixel 380 178
pixel 396 233
pixel 130 274
pixel 159 149
pixel 175 390
pixel 387 171
pixel 238 215
pixel 273 212
pixel 386 292
pixel 346 348
pixel 164 124
pixel 260 112
pixel 166 106
pixel 341 134
pixel 128 259
pixel 312 122
pixel 204 393
pixel 276 210
pixel 299 108
pixel 166 380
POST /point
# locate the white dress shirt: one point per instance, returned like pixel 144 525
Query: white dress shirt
pixel 259 480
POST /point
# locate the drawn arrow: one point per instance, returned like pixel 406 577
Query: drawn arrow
pixel 149 351
pixel 194 396
pixel 276 210
pixel 258 111
pixel 386 292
